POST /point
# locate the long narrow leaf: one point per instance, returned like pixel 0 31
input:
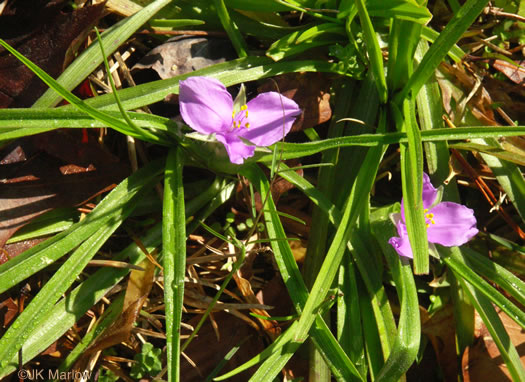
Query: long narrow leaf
pixel 454 259
pixel 406 344
pixel 446 40
pixel 18 332
pixel 231 28
pixel 72 307
pixel 45 253
pixel 497 331
pixel 88 61
pixel 229 73
pixel 327 273
pixel 374 51
pixel 412 184
pixel 496 273
pixel 107 119
pixel 174 257
pixel 340 364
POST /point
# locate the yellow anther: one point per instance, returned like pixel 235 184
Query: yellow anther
pixel 244 107
pixel 246 113
pixel 247 125
pixel 233 114
pixel 425 210
pixel 428 225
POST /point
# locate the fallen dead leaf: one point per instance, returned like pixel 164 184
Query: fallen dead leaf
pixel 43 33
pixel 440 330
pixel 465 88
pixel 482 361
pixel 8 311
pixel 515 73
pixel 311 91
pixel 137 291
pixel 207 352
pixel 184 54
pixel 14 249
pixel 270 327
pixel 48 171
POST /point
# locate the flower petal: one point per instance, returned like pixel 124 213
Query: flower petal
pixel 271 116
pixel 401 244
pixel 429 192
pixel 454 224
pixel 429 195
pixel 236 149
pixel 205 105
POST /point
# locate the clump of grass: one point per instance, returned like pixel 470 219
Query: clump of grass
pixel 357 301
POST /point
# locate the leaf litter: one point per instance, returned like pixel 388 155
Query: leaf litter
pixel 44 165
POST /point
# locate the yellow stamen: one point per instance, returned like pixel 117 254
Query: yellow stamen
pixel 233 114
pixel 247 125
pixel 429 217
pixel 244 107
pixel 246 113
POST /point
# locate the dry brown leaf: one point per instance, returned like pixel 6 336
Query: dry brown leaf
pixel 139 283
pixel 311 91
pixel 184 54
pixel 120 330
pixel 270 327
pixel 48 171
pixel 440 330
pixel 482 361
pixel 43 33
pixel 139 286
pixel 14 249
pixel 515 73
pixel 458 86
pixel 8 311
pixel 206 351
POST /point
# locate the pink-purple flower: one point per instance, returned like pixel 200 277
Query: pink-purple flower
pixel 448 224
pixel 208 108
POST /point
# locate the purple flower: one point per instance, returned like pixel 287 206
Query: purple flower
pixel 449 224
pixel 208 108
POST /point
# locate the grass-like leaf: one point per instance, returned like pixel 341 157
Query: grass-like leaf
pixel 459 23
pixel 412 184
pixel 49 294
pixel 45 253
pixel 107 119
pixel 298 150
pixel 88 60
pixel 231 28
pixel 174 256
pixel 358 195
pixel 340 365
pixel 406 343
pixel 374 51
pixel 454 258
pixel 497 331
pixel 229 73
pixel 301 41
pixel 69 309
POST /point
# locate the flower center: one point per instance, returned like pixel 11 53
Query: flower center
pixel 429 217
pixel 241 118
